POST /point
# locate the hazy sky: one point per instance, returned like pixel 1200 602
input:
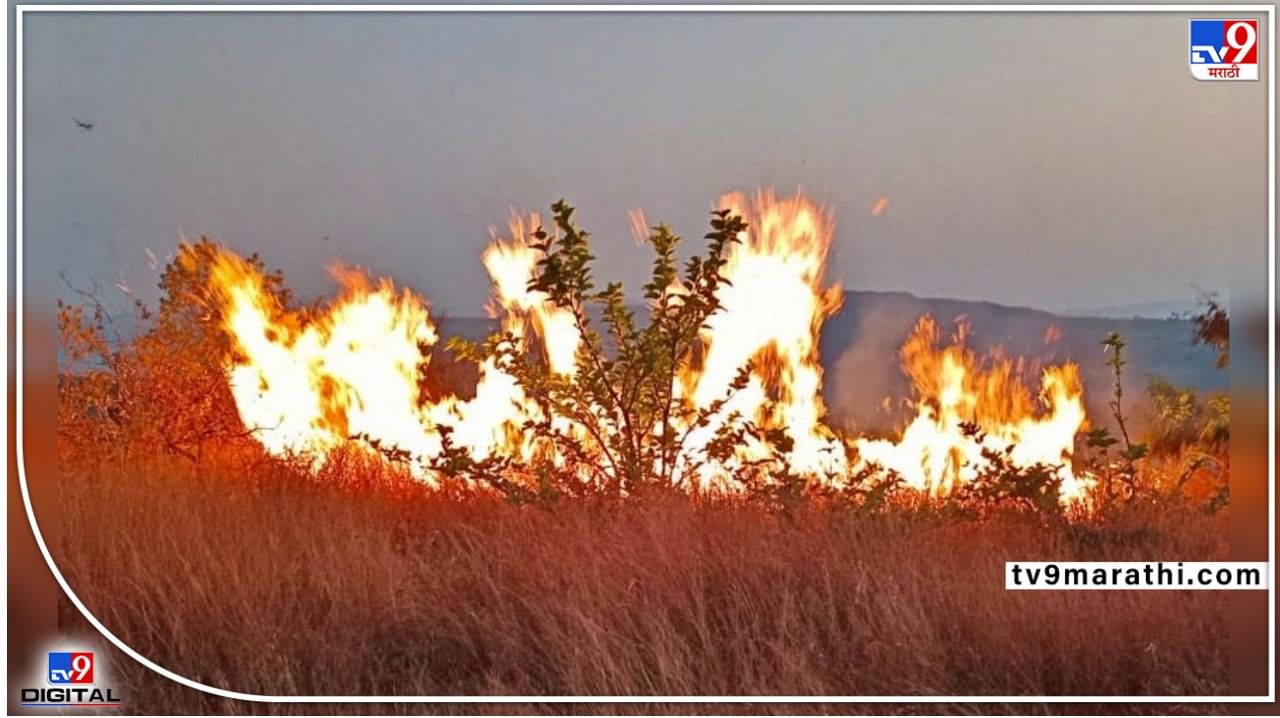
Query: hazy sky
pixel 1058 161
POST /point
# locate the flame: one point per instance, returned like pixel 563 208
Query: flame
pixel 310 381
pixel 1052 334
pixel 511 264
pixel 952 387
pixel 773 308
pixel 308 384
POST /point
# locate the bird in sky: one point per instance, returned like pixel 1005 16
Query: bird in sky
pixel 86 126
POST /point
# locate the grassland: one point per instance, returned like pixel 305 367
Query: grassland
pixel 259 575
pixel 260 580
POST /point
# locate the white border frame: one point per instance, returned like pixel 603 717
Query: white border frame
pixel 1219 10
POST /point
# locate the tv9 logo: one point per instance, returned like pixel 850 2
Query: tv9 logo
pixel 71 679
pixel 70 668
pixel 1224 50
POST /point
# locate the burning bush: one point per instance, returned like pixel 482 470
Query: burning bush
pixel 713 387
pixel 122 399
pixel 236 407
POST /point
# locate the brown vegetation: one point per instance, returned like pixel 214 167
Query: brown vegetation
pixel 257 574
pixel 264 582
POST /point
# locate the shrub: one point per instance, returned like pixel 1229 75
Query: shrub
pixel 628 426
pixel 622 424
pixel 165 388
pixel 1182 418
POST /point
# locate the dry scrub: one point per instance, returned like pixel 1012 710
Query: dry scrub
pixel 266 574
pixel 271 584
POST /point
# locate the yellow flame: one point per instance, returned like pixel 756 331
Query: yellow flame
pixel 952 386
pixel 308 382
pixel 511 264
pixel 773 308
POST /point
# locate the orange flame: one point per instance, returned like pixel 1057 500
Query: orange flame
pixel 773 308
pixel 309 382
pixel 953 386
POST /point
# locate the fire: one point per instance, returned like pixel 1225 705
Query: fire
pixel 308 382
pixel 773 309
pixel 511 265
pixel 954 387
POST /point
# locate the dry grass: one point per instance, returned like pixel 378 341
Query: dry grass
pixel 257 581
pixel 242 572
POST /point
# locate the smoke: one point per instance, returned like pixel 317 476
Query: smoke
pixel 866 384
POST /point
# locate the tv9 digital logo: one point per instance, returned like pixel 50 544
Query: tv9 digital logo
pixel 71 679
pixel 70 668
pixel 1224 49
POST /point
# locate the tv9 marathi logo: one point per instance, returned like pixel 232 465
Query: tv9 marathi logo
pixel 1224 50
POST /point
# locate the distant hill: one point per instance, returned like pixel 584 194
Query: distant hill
pixel 860 343
pixel 1144 310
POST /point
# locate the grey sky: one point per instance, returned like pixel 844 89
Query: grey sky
pixel 1058 161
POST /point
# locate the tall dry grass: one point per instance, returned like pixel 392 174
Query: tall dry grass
pixel 244 572
pixel 258 580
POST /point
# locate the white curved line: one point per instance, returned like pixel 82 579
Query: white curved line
pixel 262 698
